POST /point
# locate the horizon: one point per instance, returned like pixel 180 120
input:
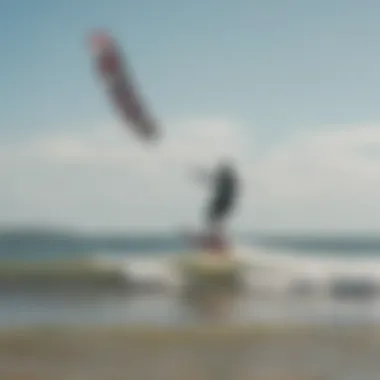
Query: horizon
pixel 129 233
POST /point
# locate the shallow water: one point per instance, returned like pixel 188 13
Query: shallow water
pixel 109 303
pixel 165 308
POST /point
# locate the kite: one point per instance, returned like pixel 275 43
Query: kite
pixel 113 69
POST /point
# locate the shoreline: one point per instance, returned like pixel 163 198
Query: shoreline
pixel 220 329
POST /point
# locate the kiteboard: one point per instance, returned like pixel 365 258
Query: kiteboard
pixel 202 269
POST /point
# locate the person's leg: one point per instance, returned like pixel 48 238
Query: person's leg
pixel 215 236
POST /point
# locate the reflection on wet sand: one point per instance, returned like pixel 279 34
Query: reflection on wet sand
pixel 214 305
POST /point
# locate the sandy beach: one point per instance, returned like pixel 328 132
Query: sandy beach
pixel 251 352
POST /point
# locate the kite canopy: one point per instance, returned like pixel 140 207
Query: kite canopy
pixel 120 86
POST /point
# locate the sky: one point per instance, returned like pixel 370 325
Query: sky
pixel 289 89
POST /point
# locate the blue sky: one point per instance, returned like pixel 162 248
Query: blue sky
pixel 276 68
pixel 276 65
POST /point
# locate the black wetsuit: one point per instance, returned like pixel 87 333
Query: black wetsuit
pixel 225 194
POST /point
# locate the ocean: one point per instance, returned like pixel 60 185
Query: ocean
pixel 50 277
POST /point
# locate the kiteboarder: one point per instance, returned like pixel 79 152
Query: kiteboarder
pixel 224 181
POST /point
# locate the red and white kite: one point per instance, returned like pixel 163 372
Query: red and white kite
pixel 113 69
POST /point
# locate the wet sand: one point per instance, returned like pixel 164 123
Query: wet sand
pixel 251 352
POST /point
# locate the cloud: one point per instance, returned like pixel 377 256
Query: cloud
pixel 329 179
pixel 106 178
